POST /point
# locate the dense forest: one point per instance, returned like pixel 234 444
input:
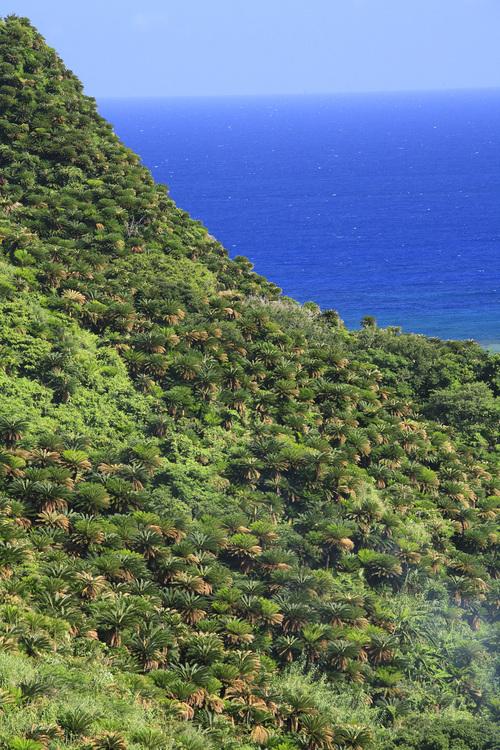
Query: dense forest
pixel 226 521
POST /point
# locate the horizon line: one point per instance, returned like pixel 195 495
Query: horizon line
pixel 299 95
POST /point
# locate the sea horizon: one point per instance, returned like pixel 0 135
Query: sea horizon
pixel 305 94
pixel 380 204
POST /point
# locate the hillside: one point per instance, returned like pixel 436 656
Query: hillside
pixel 227 522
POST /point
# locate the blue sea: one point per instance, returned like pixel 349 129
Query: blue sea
pixel 385 205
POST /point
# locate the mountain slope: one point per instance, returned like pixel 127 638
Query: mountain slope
pixel 226 521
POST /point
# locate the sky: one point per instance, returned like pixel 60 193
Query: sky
pixel 254 47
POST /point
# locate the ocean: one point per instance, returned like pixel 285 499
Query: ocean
pixel 385 205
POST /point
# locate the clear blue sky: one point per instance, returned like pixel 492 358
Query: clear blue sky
pixel 191 47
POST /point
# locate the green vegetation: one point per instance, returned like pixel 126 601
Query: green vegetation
pixel 225 520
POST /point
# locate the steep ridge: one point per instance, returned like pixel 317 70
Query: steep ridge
pixel 226 521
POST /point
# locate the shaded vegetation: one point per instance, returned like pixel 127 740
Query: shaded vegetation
pixel 225 520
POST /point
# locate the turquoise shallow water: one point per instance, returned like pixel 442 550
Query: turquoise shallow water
pixel 386 205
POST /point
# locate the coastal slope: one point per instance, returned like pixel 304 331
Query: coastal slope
pixel 226 521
